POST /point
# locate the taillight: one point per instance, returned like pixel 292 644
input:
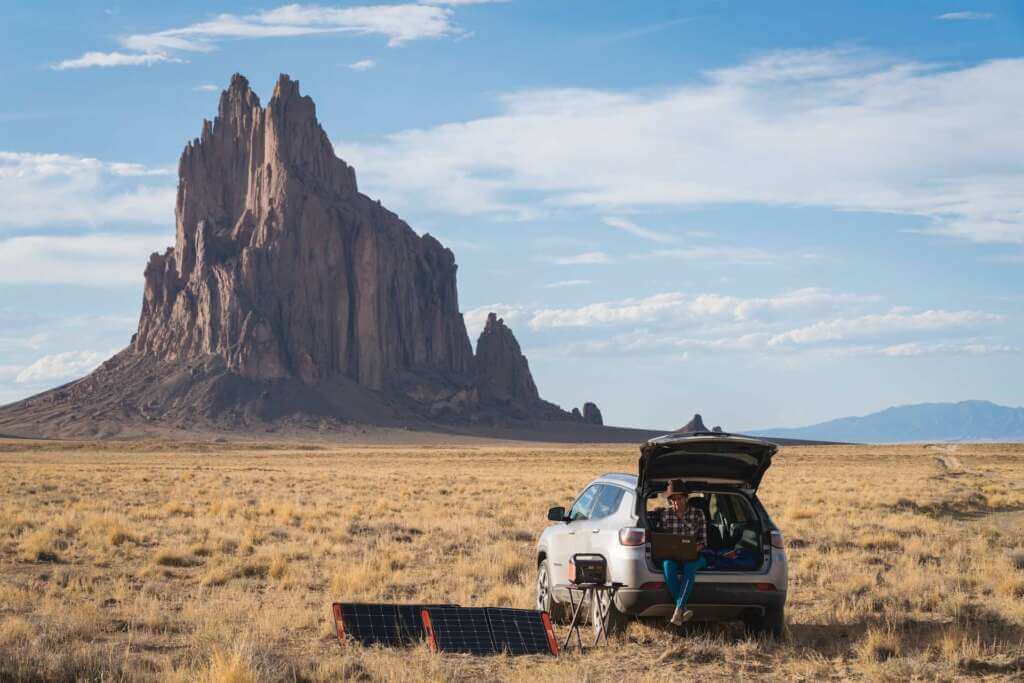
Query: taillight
pixel 631 535
pixel 764 586
pixel 776 539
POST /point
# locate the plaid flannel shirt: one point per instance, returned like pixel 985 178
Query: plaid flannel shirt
pixel 692 524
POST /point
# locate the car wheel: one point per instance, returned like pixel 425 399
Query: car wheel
pixel 546 601
pixel 772 623
pixel 614 620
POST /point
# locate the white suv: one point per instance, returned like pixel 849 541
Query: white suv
pixel 609 518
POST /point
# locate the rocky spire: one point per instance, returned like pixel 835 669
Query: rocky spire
pixel 502 371
pixel 282 268
pixel 592 414
pixel 694 425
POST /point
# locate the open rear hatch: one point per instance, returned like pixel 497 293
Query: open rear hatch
pixel 714 458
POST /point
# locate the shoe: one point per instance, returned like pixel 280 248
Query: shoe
pixel 679 616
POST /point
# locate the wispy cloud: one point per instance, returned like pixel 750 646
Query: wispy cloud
pixel 647 30
pixel 108 59
pixel 677 306
pixel 206 87
pixel 632 228
pixel 362 65
pixel 875 325
pixel 567 283
pixel 964 16
pixel 941 348
pixel 455 3
pixel 62 366
pixel 59 189
pixel 855 131
pixel 400 24
pixel 788 325
pixel 715 253
pixel 587 257
pixel 88 260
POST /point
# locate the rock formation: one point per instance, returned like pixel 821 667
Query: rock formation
pixel 592 414
pixel 283 269
pixel 694 425
pixel 502 371
pixel 291 298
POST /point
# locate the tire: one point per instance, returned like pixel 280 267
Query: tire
pixel 546 597
pixel 614 621
pixel 770 624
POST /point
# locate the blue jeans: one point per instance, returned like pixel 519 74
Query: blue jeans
pixel 681 591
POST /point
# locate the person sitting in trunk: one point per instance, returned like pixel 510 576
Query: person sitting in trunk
pixel 689 521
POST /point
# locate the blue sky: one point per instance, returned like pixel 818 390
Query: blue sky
pixel 770 213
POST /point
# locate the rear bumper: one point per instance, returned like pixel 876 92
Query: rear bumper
pixel 722 601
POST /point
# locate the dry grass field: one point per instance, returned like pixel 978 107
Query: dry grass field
pixel 219 562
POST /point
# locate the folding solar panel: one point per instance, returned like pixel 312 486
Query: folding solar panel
pixel 489 630
pixel 459 629
pixel 522 631
pixel 377 623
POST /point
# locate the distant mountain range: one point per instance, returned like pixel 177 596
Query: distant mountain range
pixel 963 421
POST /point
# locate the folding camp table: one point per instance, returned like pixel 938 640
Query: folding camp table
pixel 593 591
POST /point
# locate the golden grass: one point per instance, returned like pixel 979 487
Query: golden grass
pixel 218 562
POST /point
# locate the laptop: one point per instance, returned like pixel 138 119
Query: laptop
pixel 666 546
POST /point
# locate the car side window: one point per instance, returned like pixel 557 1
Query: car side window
pixel 607 502
pixel 584 504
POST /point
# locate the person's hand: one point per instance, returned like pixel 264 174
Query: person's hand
pixel 731 554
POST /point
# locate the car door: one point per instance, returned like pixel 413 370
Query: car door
pixel 572 536
pixel 602 527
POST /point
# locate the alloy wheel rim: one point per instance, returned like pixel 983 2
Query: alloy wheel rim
pixel 542 588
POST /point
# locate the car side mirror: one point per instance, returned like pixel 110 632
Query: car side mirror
pixel 557 514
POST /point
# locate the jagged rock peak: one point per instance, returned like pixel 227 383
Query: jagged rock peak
pixel 282 268
pixel 592 414
pixel 694 425
pixel 502 371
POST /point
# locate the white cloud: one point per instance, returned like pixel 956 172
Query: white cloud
pixel 755 345
pixel 108 59
pixel 942 348
pixel 48 189
pixel 399 23
pixel 62 366
pixel 32 341
pixel 964 16
pixel 678 307
pixel 206 87
pixel 841 129
pixel 566 283
pixel 587 257
pixel 98 259
pixel 720 254
pixel 876 325
pixel 476 318
pixel 636 230
pixel 362 65
pixel 605 313
pixel 461 2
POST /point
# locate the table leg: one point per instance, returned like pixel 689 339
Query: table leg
pixel 600 611
pixel 574 624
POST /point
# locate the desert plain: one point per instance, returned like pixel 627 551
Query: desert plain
pixel 163 560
